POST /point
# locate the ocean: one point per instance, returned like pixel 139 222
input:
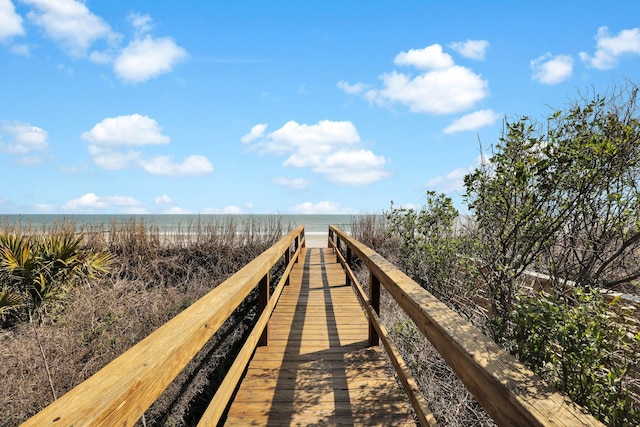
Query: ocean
pixel 313 224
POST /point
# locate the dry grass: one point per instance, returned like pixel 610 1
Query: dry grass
pixel 155 276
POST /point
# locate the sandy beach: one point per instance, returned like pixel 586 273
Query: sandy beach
pixel 316 240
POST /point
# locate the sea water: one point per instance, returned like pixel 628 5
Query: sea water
pixel 313 224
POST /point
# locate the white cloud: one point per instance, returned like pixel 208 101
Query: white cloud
pixel 91 202
pixel 442 87
pixel 352 89
pixel 112 160
pixel 549 69
pixel 163 200
pixel 449 183
pixel 44 208
pixel 85 202
pixel 352 167
pixel 321 208
pixel 430 58
pixel 177 211
pixel 610 48
pixel 121 201
pixel 472 121
pixel 292 183
pixel 130 130
pixel 10 21
pixel 328 148
pixel 24 138
pixel 163 165
pixel 105 57
pixel 444 91
pixel 112 133
pixel 256 132
pixel 142 24
pixel 71 24
pixel 233 210
pixel 473 49
pixel 319 137
pixel 146 58
pixel 453 181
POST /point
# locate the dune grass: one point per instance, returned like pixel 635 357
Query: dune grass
pixel 153 276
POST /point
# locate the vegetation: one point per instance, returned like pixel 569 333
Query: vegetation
pixel 564 197
pixel 578 342
pixel 37 271
pixel 153 276
pixel 396 236
pixel 560 198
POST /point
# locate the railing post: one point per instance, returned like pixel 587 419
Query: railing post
pixel 287 259
pixel 374 299
pixel 263 300
pixel 348 260
pixel 295 245
pixel 330 238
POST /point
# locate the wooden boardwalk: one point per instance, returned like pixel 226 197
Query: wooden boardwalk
pixel 318 368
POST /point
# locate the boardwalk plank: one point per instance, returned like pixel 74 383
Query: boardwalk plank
pixel 318 368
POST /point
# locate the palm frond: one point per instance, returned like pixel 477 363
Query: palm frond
pixel 9 301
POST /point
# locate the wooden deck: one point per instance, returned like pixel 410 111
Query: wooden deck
pixel 318 368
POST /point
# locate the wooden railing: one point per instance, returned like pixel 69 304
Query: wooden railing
pixel 510 393
pixel 122 391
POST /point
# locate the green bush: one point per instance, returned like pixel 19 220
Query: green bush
pixel 426 239
pixel 36 270
pixel 576 340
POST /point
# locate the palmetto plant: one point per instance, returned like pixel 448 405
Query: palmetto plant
pixel 38 269
pixel 9 301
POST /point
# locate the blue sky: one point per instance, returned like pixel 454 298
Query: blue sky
pixel 293 107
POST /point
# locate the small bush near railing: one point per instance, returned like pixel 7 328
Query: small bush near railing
pixel 576 341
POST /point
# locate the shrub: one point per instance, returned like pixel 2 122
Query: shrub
pixel 576 341
pixel 561 195
pixel 38 270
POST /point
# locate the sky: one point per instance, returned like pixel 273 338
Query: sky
pixel 290 107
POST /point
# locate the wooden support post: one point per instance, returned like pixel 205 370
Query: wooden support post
pixel 348 261
pixel 374 299
pixel 263 300
pixel 287 259
pixel 296 242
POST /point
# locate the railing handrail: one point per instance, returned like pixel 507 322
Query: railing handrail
pixel 121 392
pixel 510 393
